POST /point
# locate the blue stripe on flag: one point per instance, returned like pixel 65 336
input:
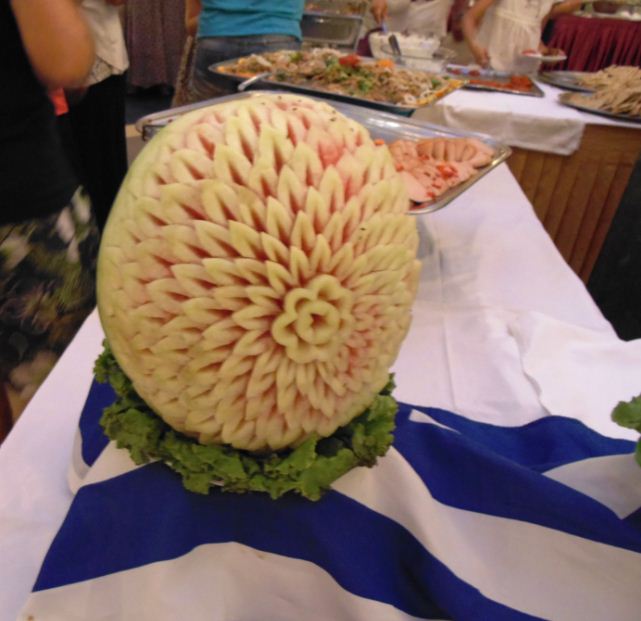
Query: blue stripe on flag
pixel 634 519
pixel 93 438
pixel 461 473
pixel 540 445
pixel 108 530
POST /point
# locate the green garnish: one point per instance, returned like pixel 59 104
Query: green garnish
pixel 628 414
pixel 308 470
pixel 364 86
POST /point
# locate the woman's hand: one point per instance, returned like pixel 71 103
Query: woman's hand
pixel 480 54
pixel 470 23
pixel 544 50
pixel 379 10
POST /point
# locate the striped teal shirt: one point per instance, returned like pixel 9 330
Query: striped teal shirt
pixel 237 18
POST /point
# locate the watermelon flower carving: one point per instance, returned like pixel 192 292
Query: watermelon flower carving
pixel 315 320
pixel 256 275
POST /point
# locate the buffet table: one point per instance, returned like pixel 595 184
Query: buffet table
pixel 572 166
pixel 491 282
pixel 593 43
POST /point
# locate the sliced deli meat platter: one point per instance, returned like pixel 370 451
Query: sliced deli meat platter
pixel 437 163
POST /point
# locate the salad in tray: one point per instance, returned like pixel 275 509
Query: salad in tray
pixel 324 69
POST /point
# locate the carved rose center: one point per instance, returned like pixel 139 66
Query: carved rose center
pixel 314 320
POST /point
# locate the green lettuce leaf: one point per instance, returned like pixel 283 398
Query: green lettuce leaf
pixel 308 469
pixel 628 414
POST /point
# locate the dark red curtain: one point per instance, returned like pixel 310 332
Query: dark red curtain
pixel 594 43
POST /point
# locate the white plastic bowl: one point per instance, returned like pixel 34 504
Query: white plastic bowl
pixel 413 45
pixel 435 63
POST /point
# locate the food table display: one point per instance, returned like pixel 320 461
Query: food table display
pixel 573 166
pixel 508 493
pixel 479 345
pixel 593 43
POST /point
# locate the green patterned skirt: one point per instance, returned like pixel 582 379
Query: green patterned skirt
pixel 47 289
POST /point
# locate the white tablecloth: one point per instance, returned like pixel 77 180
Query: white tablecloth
pixel 536 123
pixel 486 261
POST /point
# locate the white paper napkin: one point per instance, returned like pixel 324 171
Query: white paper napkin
pixel 578 372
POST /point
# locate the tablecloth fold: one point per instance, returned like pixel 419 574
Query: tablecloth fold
pixel 460 520
pixel 596 368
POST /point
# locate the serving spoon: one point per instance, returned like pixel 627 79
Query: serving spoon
pixel 245 84
pixel 396 48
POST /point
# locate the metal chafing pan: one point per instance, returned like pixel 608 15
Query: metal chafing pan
pixel 355 9
pixel 230 81
pixel 565 79
pixel 333 23
pixel 330 29
pixel 383 125
pixel 462 71
pixel 566 100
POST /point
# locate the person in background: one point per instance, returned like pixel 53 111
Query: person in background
pixel 379 10
pixel 97 112
pixel 427 17
pixel 48 241
pixel 233 28
pixel 155 35
pixel 499 31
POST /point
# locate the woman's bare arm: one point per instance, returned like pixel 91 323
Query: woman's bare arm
pixel 379 10
pixel 57 40
pixel 568 6
pixel 470 25
pixel 192 13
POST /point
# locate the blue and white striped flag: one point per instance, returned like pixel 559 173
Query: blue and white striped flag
pixel 460 520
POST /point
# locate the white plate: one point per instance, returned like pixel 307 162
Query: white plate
pixel 545 59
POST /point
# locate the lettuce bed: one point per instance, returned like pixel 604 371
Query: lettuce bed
pixel 308 470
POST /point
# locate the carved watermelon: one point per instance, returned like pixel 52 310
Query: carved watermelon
pixel 256 274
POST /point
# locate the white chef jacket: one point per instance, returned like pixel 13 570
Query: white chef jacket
pixel 510 27
pixel 421 17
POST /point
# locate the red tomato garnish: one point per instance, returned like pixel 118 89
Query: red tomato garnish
pixel 446 171
pixel 351 60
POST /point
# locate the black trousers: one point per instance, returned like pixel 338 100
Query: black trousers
pixel 97 124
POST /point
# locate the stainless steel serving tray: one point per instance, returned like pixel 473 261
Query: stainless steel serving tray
pixel 355 9
pixel 564 99
pixel 383 125
pixel 489 74
pixel 231 81
pixel 330 29
pixel 565 79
